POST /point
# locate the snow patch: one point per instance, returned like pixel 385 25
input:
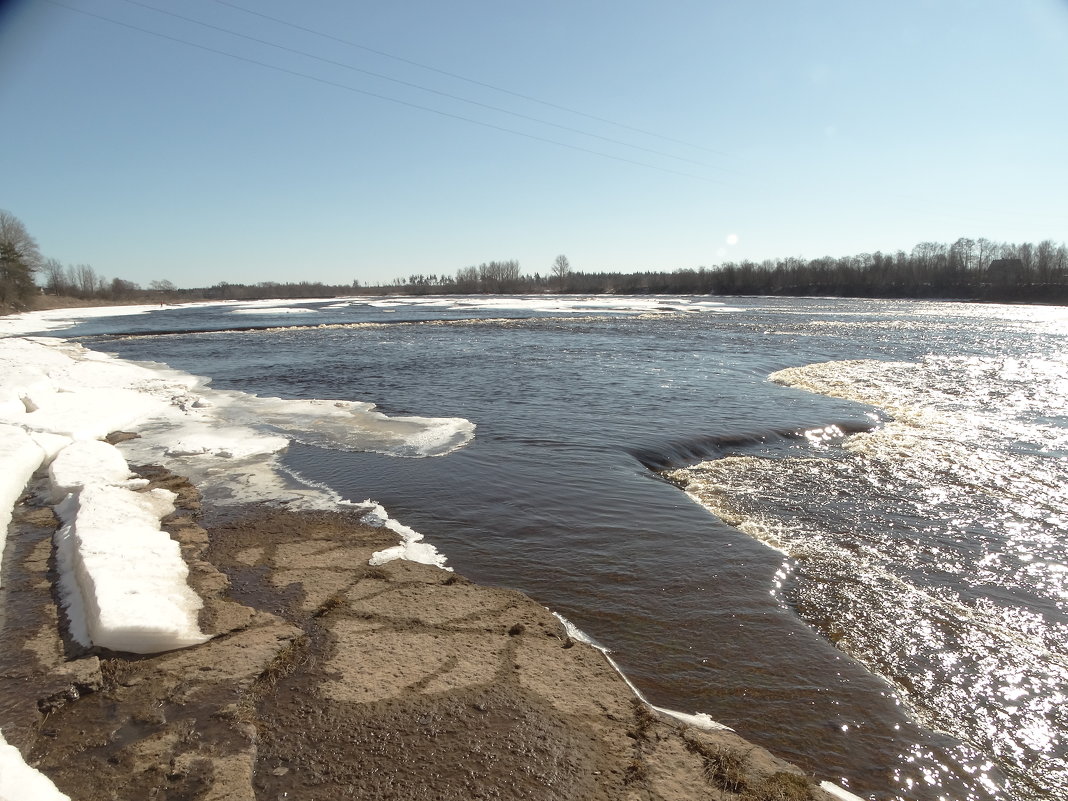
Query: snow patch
pixel 411 547
pixel 274 310
pixel 88 462
pixel 20 782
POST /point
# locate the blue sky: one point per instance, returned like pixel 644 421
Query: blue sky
pixel 782 128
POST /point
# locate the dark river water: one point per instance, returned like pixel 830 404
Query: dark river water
pixel 860 563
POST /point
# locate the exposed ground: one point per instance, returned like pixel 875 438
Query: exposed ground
pixel 330 679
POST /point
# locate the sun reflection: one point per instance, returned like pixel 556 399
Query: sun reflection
pixel 932 549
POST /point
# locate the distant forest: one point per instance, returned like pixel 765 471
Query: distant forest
pixel 968 269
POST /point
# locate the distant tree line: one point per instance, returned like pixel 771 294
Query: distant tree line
pixel 25 274
pixel 273 289
pixel 976 269
pixel 973 269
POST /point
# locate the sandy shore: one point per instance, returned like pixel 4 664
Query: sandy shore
pixel 327 679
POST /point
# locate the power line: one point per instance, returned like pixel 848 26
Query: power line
pixel 420 87
pixel 464 78
pixel 387 98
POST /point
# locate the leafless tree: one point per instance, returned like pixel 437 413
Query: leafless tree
pixel 55 277
pixel 561 268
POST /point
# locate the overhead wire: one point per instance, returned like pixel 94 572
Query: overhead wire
pixel 413 85
pixel 377 95
pixel 467 79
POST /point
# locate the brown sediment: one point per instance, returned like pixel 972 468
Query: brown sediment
pixel 330 679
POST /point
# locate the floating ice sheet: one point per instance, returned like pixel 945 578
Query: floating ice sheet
pixel 57 388
pixel 274 310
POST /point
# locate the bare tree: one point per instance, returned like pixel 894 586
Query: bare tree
pixel 55 277
pixel 498 276
pixel 86 282
pixel 467 279
pixel 561 268
pixel 14 234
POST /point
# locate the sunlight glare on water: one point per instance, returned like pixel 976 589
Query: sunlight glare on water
pixel 950 491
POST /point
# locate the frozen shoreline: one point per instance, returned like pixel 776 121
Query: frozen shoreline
pixel 60 397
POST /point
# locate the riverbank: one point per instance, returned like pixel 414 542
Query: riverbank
pixel 327 678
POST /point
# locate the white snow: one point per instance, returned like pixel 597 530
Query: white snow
pixel 568 304
pixel 86 462
pixel 123 580
pixel 839 792
pixel 20 782
pixel 124 576
pixel 275 310
pixel 411 547
pixel 20 456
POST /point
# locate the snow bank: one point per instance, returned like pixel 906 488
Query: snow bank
pixel 82 463
pixel 122 579
pixel 20 782
pixel 58 400
pixel 20 456
pixel 223 440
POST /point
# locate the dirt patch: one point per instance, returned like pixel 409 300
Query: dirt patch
pixel 329 679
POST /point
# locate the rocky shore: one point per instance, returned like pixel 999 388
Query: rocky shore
pixel 327 678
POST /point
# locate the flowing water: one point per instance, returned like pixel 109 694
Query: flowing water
pixel 839 527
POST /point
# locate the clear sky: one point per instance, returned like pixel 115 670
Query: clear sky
pixel 627 135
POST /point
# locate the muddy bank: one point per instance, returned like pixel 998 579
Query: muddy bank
pixel 330 679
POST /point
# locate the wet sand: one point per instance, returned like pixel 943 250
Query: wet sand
pixel 328 679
